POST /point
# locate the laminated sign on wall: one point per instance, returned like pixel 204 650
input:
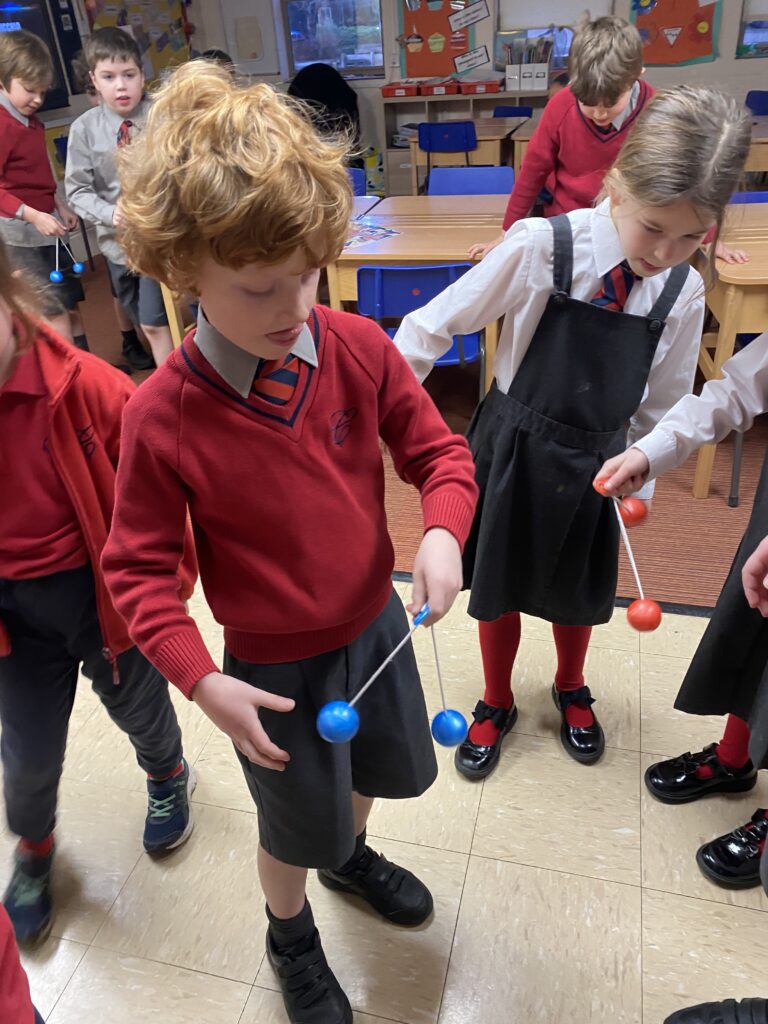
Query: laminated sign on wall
pixel 676 32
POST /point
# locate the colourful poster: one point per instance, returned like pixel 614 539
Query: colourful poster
pixel 676 32
pixel 429 43
pixel 157 26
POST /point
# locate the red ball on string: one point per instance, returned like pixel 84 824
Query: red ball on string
pixel 599 484
pixel 633 511
pixel 644 615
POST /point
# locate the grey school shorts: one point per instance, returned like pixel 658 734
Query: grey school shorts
pixel 140 297
pixel 305 812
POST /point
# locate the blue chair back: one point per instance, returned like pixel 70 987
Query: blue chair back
pixel 392 292
pixel 447 136
pixel 748 197
pixel 513 111
pixel 470 181
pixel 757 101
pixel 357 178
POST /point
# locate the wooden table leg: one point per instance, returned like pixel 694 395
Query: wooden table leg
pixel 491 343
pixel 334 294
pixel 175 322
pixel 726 341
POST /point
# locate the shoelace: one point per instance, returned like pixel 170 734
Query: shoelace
pixel 26 890
pixel 161 807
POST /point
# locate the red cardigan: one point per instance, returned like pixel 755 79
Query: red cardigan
pixel 86 398
pixel 25 171
pixel 569 156
pixel 287 504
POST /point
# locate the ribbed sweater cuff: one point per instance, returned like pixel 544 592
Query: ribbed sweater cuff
pixel 451 513
pixel 184 659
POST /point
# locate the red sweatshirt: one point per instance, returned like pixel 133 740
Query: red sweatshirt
pixel 25 171
pixel 15 1002
pixel 287 505
pixel 85 398
pixel 569 155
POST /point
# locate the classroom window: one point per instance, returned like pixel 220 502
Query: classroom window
pixel 753 36
pixel 343 33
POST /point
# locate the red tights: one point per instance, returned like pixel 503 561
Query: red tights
pixel 733 748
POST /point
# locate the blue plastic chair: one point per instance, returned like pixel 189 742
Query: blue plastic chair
pixel 357 177
pixel 385 293
pixel 447 137
pixel 757 101
pixel 513 111
pixel 749 197
pixel 470 181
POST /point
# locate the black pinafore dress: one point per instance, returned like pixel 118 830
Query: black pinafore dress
pixel 544 541
pixel 729 671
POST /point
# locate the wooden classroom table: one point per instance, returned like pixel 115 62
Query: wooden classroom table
pixel 439 210
pixel 364 204
pixel 758 152
pixel 522 137
pixel 415 244
pixel 739 300
pixel 744 221
pixel 491 133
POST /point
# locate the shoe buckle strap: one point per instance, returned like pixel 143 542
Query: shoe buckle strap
pixel 483 712
pixel 581 696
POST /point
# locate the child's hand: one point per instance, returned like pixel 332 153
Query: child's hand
pixel 754 576
pixel 46 223
pixel 118 217
pixel 233 706
pixel 69 217
pixel 728 255
pixel 625 473
pixel 480 249
pixel 437 574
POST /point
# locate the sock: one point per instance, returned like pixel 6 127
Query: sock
pixel 81 342
pixel 43 848
pixel 287 932
pixel 732 750
pixel 356 857
pixel 499 641
pixel 571 643
pixel 162 778
pixel 130 339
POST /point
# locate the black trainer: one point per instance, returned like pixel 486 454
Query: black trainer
pixel 584 743
pixel 675 781
pixel 311 993
pixel 136 355
pixel 477 760
pixel 733 860
pixel 748 1011
pixel 392 891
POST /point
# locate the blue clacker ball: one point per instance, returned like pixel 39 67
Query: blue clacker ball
pixel 78 267
pixel 338 722
pixel 56 276
pixel 449 728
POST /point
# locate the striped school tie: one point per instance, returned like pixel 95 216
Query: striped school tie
pixel 124 134
pixel 617 284
pixel 276 379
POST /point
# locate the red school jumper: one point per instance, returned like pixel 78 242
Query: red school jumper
pixel 25 171
pixel 568 155
pixel 287 503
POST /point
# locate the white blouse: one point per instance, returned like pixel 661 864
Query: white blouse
pixel 515 281
pixel 723 405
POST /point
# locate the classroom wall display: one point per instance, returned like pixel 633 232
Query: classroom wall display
pixel 431 45
pixel 677 32
pixel 753 34
pixel 249 27
pixel 156 25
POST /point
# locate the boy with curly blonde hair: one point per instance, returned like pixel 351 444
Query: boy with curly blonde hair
pixel 266 425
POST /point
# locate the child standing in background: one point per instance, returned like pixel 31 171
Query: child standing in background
pixel 602 324
pixel 93 187
pixel 60 415
pixel 32 216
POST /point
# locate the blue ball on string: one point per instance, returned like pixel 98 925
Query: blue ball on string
pixel 337 722
pixel 78 267
pixel 449 728
pixel 56 276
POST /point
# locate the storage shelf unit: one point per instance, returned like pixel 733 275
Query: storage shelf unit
pixel 399 110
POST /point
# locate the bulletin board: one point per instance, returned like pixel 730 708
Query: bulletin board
pixel 430 44
pixel 677 32
pixel 156 25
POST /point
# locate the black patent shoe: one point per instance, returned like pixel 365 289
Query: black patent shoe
pixel 764 869
pixel 392 891
pixel 675 781
pixel 310 991
pixel 748 1011
pixel 584 743
pixel 733 860
pixel 477 760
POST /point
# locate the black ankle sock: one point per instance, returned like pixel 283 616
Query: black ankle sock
pixel 356 857
pixel 81 342
pixel 130 338
pixel 288 931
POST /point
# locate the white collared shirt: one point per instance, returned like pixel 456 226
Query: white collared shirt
pixel 723 405
pixel 515 281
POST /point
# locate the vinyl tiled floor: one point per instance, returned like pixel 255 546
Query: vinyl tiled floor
pixel 562 893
